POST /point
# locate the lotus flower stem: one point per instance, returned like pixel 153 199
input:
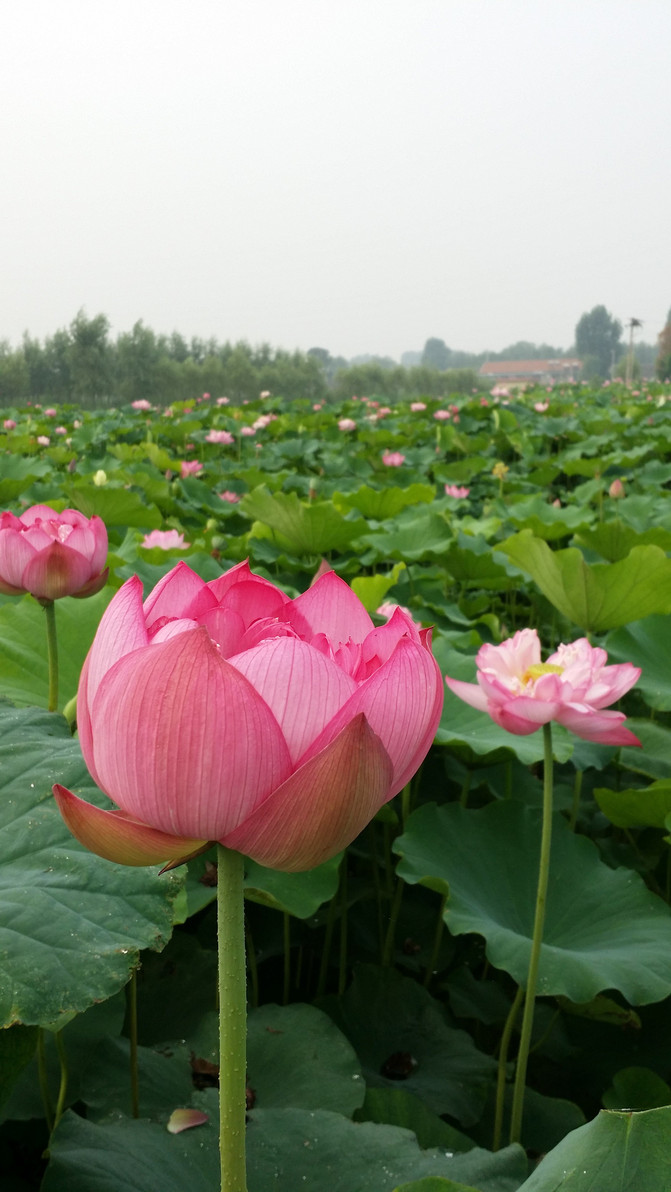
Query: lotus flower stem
pixel 131 1001
pixel 44 1081
pixel 63 1087
pixel 502 1065
pixel 52 654
pixel 326 949
pixel 536 942
pixel 577 788
pixel 388 950
pixel 438 935
pixel 232 1019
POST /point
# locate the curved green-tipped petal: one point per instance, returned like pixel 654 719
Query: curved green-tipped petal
pixel 116 837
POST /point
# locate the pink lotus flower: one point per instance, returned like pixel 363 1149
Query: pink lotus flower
pixel 415 406
pixel 166 539
pixel 616 490
pixel 264 393
pixel 232 498
pixel 141 404
pixel 455 490
pixel 521 693
pixel 219 436
pixel 52 554
pixel 9 424
pixel 226 711
pixel 222 401
pixel 346 424
pixel 43 440
pixel 393 459
pixel 61 430
pixel 442 415
pixel 50 413
pixel 541 406
pixel 247 431
pixel 190 467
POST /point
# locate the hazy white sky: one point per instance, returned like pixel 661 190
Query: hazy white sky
pixel 351 174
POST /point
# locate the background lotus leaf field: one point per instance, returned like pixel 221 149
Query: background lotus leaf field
pixel 380 983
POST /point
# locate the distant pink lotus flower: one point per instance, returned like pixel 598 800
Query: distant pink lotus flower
pixel 317 405
pixel 346 424
pixel 206 397
pixel 9 424
pixel 483 401
pixel 264 393
pixel 169 412
pixel 190 467
pixel 219 436
pixel 616 490
pixel 43 440
pixel 521 693
pixel 416 406
pixel 262 421
pixel 442 415
pixel 541 406
pixel 455 490
pixel 227 711
pixel 141 404
pixel 61 430
pixel 166 539
pixel 499 391
pixel 383 411
pixel 50 413
pixel 227 495
pixel 247 431
pixel 393 459
pixel 222 401
pixel 388 608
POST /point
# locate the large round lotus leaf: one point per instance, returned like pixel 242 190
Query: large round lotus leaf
pixel 617 1152
pixel 403 1038
pixel 646 643
pixel 287 1149
pixel 71 924
pixel 603 929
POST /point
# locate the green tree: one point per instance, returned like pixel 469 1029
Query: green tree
pixel 137 358
pixel 90 357
pixel 597 335
pixel 436 354
pixel 14 375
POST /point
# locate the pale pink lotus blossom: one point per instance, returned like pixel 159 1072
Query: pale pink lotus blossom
pixel 51 412
pixel 416 406
pixel 383 411
pixel 141 404
pixel 541 406
pixel 388 608
pixel 219 436
pixel 616 489
pixel 521 693
pixel 227 711
pixel 61 430
pixel 190 467
pixel 247 431
pixel 9 424
pixel 169 412
pixel 483 401
pixel 206 397
pixel 229 496
pixel 52 554
pixel 393 459
pixel 442 415
pixel 222 401
pixel 165 539
pixel 76 423
pixel 456 490
pixel 346 424
pixel 499 391
pixel 263 421
pixel 43 440
pixel 317 405
pixel 264 393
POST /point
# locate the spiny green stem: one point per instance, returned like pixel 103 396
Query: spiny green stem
pixel 44 1081
pixel 131 1001
pixel 63 1087
pixel 502 1065
pixel 438 935
pixel 536 942
pixel 52 655
pixel 232 1019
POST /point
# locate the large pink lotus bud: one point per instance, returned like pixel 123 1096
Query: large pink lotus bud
pixel 226 711
pixel 52 554
pixel 521 693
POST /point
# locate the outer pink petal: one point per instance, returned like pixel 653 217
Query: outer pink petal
pixel 303 688
pixel 121 630
pixel 611 684
pixel 323 805
pixel 182 741
pixel 174 594
pixel 56 571
pixel 255 601
pixel 513 657
pixel 39 513
pixel 330 607
pixel 15 555
pixel 606 728
pixel 239 574
pixel 402 702
pixel 470 693
pixel 527 709
pixel 112 835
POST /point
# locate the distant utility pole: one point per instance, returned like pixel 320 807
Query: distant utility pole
pixel 630 354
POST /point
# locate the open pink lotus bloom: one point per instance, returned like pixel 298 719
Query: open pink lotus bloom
pixel 393 459
pixel 456 490
pixel 165 539
pixel 521 693
pixel 346 424
pixel 52 554
pixel 226 711
pixel 219 436
pixel 190 467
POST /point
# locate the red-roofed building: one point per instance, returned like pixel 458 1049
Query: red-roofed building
pixel 531 372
